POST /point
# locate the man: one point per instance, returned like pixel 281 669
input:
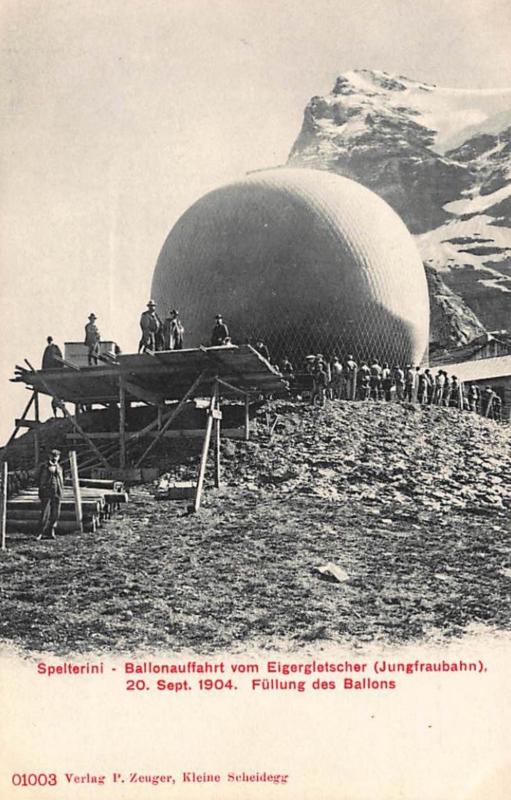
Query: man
pixel 364 381
pixel 386 382
pixel 52 356
pixel 473 397
pixel 430 386
pixel 51 490
pixel 351 377
pixel 376 373
pixel 399 382
pixel 152 330
pixel 336 384
pixel 220 332
pixel 173 332
pixel 320 384
pixel 422 387
pixel 439 387
pixel 92 340
pixel 410 378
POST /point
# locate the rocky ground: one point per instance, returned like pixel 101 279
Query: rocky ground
pixel 411 504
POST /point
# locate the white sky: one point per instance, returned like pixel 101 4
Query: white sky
pixel 117 115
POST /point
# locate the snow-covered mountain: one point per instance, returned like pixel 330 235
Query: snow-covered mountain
pixel 442 159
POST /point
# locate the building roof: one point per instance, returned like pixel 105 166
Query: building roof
pixel 481 369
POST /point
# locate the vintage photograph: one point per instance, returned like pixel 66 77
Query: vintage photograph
pixel 256 329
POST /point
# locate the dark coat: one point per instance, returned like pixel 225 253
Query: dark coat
pixel 52 352
pixel 50 480
pixel 219 335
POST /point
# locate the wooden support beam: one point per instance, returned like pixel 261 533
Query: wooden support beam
pixel 25 412
pixel 26 423
pixel 122 423
pixel 235 389
pixel 72 420
pixel 217 423
pixel 76 490
pixel 3 503
pixel 153 398
pixel 69 364
pixel 173 415
pixel 204 457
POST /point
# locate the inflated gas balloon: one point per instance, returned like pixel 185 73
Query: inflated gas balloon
pixel 307 261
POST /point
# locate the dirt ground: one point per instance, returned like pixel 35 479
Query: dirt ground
pixel 413 504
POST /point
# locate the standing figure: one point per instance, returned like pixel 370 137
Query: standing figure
pixel 52 356
pixel 473 397
pixel 220 332
pixel 173 332
pixel 351 369
pixel 92 340
pixel 446 394
pixel 409 383
pixel 152 330
pixel 439 387
pixel 456 394
pixel 386 382
pixel 422 387
pixel 364 381
pixel 337 382
pixel 51 489
pixel 398 377
pixel 430 386
pixel 376 372
pixel 320 385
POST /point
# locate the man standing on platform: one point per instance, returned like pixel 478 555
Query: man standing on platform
pixel 152 330
pixel 173 332
pixel 51 490
pixel 52 356
pixel 92 340
pixel 220 332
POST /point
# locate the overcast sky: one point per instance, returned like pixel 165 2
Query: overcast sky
pixel 117 115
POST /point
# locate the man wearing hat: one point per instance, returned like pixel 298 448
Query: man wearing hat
pixel 51 489
pixel 92 340
pixel 220 332
pixel 152 330
pixel 173 332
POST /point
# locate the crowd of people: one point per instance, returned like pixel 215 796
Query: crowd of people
pixel 370 380
pixel 327 378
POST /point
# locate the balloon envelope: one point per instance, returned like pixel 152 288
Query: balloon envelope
pixel 305 260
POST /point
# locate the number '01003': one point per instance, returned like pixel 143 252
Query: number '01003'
pixel 34 779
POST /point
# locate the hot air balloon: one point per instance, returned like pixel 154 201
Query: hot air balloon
pixel 306 260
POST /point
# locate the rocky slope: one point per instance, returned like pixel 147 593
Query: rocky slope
pixel 410 504
pixel 442 159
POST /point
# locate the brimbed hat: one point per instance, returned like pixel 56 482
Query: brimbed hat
pixel 55 452
pixel 174 311
pixel 151 303
pixel 218 316
pixel 92 316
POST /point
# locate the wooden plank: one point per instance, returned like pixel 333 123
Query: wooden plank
pixel 181 433
pixel 217 423
pixel 76 490
pixel 122 423
pixel 142 393
pixel 26 423
pixel 203 460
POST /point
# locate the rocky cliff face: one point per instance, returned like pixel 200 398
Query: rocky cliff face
pixel 442 159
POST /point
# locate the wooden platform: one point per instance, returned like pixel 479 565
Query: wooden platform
pixel 166 375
